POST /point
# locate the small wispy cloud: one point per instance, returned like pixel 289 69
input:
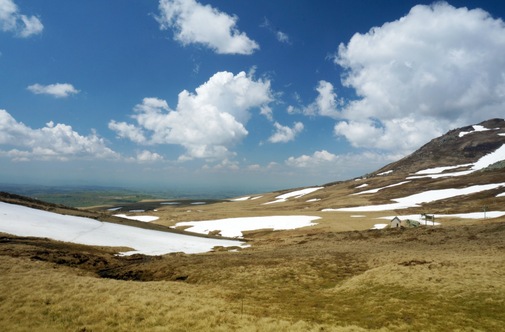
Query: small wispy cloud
pixel 279 35
pixel 58 90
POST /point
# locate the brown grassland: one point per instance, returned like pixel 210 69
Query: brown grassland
pixel 310 279
pixel 335 276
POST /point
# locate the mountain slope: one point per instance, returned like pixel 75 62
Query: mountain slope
pixel 457 147
pixel 462 159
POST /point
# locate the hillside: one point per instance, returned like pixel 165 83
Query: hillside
pixel 335 275
pixel 457 147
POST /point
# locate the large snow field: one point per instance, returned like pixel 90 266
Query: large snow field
pixel 233 227
pixel 423 197
pixel 23 221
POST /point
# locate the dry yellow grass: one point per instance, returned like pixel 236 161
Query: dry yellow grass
pixel 39 297
pixel 449 278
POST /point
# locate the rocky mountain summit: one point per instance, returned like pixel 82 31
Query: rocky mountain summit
pixel 457 147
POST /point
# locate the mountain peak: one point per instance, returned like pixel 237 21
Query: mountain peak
pixel 457 147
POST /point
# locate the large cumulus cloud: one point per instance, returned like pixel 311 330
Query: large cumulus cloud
pixel 206 123
pixel 194 23
pixel 51 142
pixel 434 69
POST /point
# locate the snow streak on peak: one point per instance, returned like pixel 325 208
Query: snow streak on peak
pixel 476 128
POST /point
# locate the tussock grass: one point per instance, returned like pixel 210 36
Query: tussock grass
pixel 41 297
pixel 420 279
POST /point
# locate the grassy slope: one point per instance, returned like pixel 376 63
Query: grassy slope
pixel 447 278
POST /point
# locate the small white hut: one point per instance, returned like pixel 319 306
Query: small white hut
pixel 395 222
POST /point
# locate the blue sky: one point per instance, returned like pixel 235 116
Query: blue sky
pixel 256 95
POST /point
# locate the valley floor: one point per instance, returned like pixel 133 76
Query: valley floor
pixel 309 279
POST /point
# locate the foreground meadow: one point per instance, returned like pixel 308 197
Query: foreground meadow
pixel 309 279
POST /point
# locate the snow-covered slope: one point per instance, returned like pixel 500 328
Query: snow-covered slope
pixel 23 221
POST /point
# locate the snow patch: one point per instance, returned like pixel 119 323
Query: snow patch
pixel 233 227
pixel 379 226
pixel 372 191
pixel 491 158
pixel 441 175
pixel 474 215
pixel 485 161
pixel 138 218
pixel 476 128
pixel 246 198
pixel 295 194
pixel 437 170
pixel 240 199
pixel 470 215
pixel 422 197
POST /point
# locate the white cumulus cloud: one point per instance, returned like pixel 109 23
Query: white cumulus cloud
pixel 206 123
pixel 57 90
pixel 318 158
pixel 285 134
pixel 128 131
pixel 326 165
pixel 52 142
pixel 193 22
pixel 437 68
pixel 326 103
pixel 146 156
pixel 11 20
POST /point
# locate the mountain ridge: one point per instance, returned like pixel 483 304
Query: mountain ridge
pixel 454 147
